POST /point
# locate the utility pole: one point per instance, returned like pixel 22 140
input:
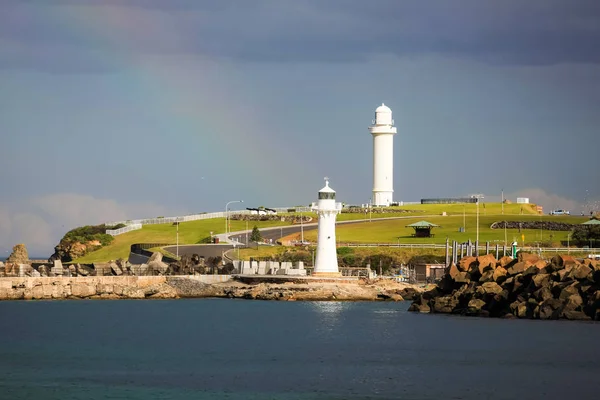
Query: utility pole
pixel 477 239
pixel 301 229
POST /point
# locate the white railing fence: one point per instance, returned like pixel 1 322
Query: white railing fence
pixel 128 228
pixel 186 218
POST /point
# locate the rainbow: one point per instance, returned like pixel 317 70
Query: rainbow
pixel 206 114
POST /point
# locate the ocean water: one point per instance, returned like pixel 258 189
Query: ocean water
pixel 239 349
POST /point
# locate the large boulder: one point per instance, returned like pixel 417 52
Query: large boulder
pixel 563 260
pixel 527 258
pixel 504 261
pixel 489 288
pixel 575 315
pixel 43 270
pixel 531 270
pixel 487 276
pixel 517 268
pixel 462 277
pixel 422 308
pixel 474 307
pixel 593 264
pixel 19 255
pixel 569 291
pixel 83 270
pixel 464 264
pixel 453 271
pixel 573 303
pixel 445 304
pixel 543 294
pixel 580 271
pixel 540 280
pixel 500 274
pixel 550 309
pixel 116 269
pixel 156 266
pixel 486 262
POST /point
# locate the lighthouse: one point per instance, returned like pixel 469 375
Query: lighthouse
pixel 383 131
pixel 327 210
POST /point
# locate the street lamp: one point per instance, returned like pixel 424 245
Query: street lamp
pixel 301 229
pixel 477 197
pixel 177 239
pixel 227 215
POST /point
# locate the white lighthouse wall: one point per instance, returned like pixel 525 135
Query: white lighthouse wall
pixel 383 169
pixel 326 248
pixel 383 118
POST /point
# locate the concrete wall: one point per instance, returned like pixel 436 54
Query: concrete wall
pixel 102 287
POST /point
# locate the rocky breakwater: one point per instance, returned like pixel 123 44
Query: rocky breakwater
pixel 526 287
pixel 101 287
pixel 196 286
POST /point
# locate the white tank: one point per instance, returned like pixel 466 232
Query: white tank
pixel 327 209
pixel 383 132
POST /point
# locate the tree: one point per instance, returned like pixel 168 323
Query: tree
pixel 586 235
pixel 255 236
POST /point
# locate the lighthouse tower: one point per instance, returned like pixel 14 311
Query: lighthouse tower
pixel 383 131
pixel 327 210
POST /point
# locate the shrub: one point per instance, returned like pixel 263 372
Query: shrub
pixel 205 240
pixel 255 236
pixel 342 251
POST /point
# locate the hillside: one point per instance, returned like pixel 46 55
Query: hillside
pixel 196 231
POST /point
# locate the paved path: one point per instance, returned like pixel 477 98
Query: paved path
pixel 275 233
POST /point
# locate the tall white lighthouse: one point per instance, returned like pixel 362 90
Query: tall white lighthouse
pixel 326 263
pixel 383 131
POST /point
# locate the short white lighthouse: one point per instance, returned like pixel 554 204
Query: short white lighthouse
pixel 383 132
pixel 327 209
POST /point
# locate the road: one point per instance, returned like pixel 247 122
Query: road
pixel 273 233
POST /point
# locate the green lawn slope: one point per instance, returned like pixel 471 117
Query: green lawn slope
pixel 395 231
pixel 189 233
pixel 375 232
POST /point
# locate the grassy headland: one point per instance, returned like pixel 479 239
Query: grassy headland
pixel 380 230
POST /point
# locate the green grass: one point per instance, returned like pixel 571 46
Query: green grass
pixel 374 232
pixel 394 231
pixel 189 233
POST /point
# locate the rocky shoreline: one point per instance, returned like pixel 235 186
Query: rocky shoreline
pixel 526 287
pixel 199 286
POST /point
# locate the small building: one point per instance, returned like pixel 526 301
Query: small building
pixel 522 200
pixel 423 229
pixel 427 273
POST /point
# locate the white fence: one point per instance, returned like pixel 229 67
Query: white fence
pixel 137 223
pixel 128 228
pixel 492 247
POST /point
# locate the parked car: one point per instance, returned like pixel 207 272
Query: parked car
pixel 560 212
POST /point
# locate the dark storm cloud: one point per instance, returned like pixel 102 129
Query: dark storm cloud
pixel 499 32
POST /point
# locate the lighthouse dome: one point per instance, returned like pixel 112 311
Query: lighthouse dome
pixel 383 115
pixel 383 109
pixel 326 193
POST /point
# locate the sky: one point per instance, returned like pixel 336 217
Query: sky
pixel 124 109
